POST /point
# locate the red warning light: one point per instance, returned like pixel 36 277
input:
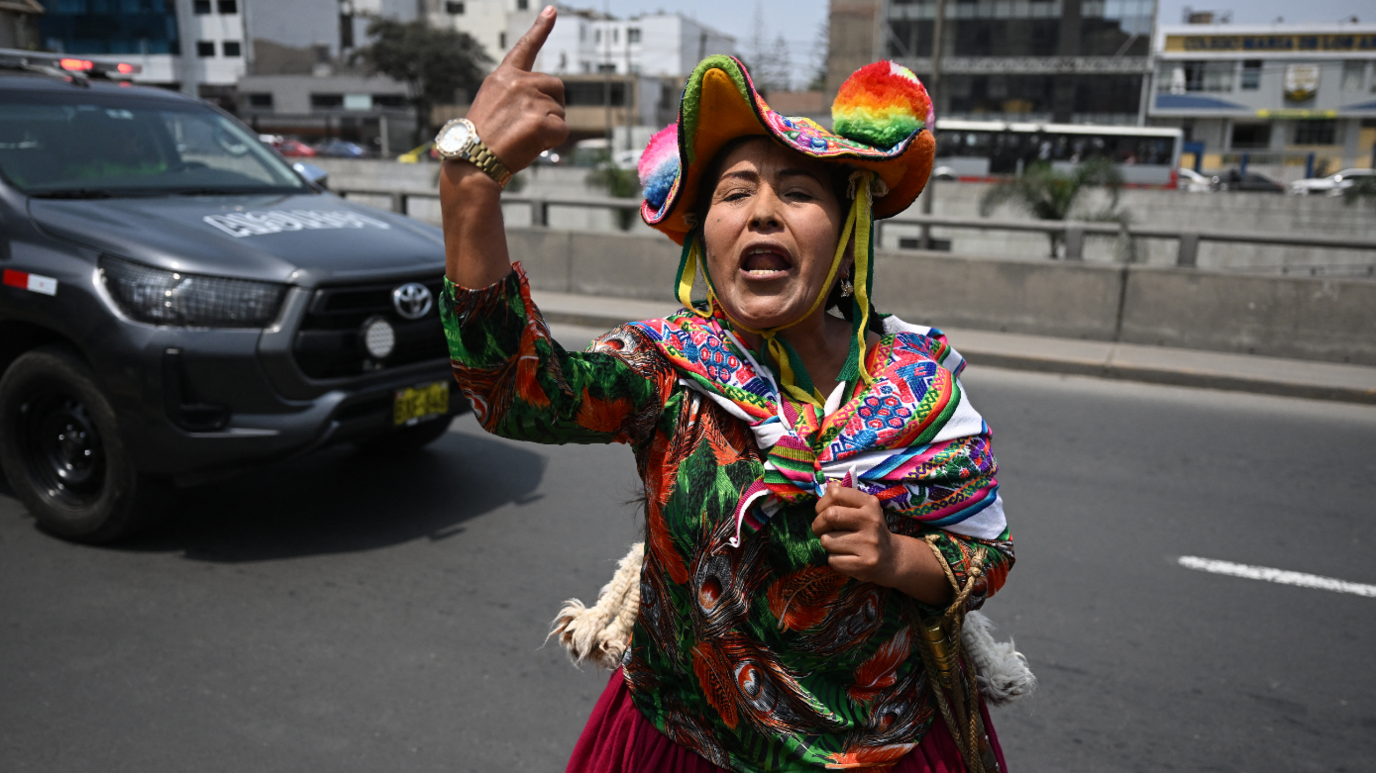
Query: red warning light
pixel 124 69
pixel 78 65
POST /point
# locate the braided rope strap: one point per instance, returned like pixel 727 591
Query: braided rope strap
pixel 951 668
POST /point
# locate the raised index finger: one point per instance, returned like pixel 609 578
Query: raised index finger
pixel 522 55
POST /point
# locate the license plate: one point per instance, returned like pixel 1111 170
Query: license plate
pixel 416 404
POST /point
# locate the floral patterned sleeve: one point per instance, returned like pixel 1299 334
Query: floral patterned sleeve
pixel 960 551
pixel 524 385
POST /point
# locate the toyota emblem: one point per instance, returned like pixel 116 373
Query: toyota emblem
pixel 412 300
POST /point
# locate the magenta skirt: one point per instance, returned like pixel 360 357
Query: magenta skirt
pixel 619 739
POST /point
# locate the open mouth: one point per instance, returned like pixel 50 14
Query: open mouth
pixel 766 261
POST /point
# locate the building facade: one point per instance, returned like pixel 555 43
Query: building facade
pixel 196 46
pixel 1063 61
pixel 18 24
pixel 495 24
pixel 1297 99
pixel 653 45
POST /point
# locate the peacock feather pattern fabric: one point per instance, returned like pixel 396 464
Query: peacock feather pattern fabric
pixel 748 648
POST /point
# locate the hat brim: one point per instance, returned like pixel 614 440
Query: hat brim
pixel 720 104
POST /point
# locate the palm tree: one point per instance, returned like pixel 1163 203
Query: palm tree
pixel 1047 194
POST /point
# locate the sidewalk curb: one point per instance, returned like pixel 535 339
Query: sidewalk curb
pixel 1169 377
pixel 1184 377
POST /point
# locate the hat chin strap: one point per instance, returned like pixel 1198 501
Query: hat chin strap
pixel 793 376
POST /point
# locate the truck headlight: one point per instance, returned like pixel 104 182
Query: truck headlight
pixel 193 300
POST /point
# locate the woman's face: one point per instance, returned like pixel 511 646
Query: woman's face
pixel 771 233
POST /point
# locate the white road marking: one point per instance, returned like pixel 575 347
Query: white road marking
pixel 1277 575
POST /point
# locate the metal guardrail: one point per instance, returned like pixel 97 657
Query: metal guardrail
pixel 1072 232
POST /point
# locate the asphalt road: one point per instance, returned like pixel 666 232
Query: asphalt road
pixel 344 613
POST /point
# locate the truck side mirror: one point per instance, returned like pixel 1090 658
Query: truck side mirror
pixel 312 174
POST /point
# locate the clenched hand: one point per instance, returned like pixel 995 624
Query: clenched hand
pixel 858 542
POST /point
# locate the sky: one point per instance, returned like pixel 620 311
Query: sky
pixel 798 21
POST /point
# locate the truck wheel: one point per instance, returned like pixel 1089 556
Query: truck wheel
pixel 407 439
pixel 61 452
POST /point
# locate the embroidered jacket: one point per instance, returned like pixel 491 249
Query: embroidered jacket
pixel 752 652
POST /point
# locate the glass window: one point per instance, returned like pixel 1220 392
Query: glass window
pixel 201 7
pixel 229 7
pixel 632 34
pixel 260 99
pixel 232 48
pixel 1354 71
pixel 1316 133
pixel 205 48
pixel 132 27
pixel 327 101
pixel 453 8
pixel 1209 76
pixel 593 93
pixel 1251 75
pixel 501 40
pixel 129 146
pixel 522 5
pixel 1251 136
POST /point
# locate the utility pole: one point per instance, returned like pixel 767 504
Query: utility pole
pixel 933 88
pixel 607 68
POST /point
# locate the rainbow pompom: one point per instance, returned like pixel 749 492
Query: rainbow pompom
pixel 881 104
pixel 659 165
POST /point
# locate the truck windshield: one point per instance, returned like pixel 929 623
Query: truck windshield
pixel 85 144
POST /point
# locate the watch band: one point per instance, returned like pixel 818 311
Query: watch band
pixel 481 156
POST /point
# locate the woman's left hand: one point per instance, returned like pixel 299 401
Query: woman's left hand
pixel 858 542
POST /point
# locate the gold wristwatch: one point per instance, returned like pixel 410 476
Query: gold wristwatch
pixel 459 139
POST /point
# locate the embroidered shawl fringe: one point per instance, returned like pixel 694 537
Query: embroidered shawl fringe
pixel 599 634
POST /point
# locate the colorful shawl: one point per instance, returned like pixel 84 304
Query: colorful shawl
pixel 910 438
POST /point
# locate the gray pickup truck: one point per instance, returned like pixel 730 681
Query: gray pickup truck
pixel 177 302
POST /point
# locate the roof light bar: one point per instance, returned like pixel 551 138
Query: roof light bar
pixel 72 64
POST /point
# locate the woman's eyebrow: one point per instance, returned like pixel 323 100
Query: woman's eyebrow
pixel 742 174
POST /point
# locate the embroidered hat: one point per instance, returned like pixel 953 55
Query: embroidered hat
pixel 882 118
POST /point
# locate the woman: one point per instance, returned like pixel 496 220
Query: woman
pixel 818 488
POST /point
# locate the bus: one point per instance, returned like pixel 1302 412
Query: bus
pixel 973 151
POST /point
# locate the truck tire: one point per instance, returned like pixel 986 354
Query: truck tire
pixel 407 439
pixel 63 456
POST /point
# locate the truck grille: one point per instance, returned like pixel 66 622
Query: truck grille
pixel 329 344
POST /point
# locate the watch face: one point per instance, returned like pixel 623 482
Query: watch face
pixel 453 138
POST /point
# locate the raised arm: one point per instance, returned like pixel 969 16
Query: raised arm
pixel 519 114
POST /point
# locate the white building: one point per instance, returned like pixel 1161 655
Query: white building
pixel 1296 97
pixel 654 45
pixel 495 24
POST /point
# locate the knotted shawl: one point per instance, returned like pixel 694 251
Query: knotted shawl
pixel 910 437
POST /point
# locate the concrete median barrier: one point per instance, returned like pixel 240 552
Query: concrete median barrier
pixel 1332 320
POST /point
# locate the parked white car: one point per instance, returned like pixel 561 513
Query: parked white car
pixel 1332 185
pixel 1191 181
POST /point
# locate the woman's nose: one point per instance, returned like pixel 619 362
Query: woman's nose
pixel 765 213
